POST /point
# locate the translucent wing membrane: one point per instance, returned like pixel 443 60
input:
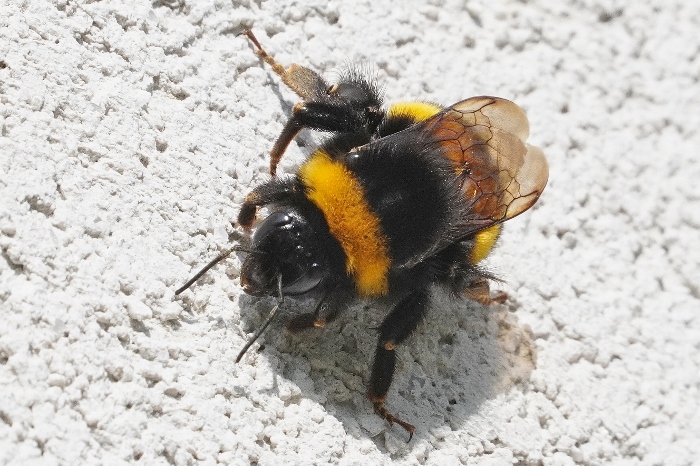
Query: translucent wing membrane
pixel 500 175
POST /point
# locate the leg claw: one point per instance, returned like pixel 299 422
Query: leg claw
pixel 384 413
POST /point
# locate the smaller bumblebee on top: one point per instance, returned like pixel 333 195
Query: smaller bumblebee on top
pixel 398 200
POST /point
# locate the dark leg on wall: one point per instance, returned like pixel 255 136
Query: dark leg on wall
pixel 397 326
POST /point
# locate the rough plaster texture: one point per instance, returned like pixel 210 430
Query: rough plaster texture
pixel 131 131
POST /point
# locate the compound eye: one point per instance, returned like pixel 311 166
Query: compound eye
pixel 304 281
pixel 274 222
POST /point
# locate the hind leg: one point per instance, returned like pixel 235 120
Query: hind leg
pixel 397 326
pixel 480 291
pixel 464 278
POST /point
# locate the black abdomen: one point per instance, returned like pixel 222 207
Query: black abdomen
pixel 405 185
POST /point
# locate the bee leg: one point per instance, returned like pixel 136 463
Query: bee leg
pixel 308 85
pixel 352 105
pixel 327 309
pixel 289 132
pixel 274 190
pixel 301 322
pixel 305 83
pixel 479 291
pixel 323 114
pixel 397 326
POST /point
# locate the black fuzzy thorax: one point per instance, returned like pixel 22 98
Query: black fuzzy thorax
pixel 410 188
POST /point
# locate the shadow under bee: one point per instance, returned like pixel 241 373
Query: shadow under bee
pixel 462 355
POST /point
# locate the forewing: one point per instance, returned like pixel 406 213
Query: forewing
pixel 500 175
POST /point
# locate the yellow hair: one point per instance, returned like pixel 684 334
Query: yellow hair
pixel 419 111
pixel 484 241
pixel 341 198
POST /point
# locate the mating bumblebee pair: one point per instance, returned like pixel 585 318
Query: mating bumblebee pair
pixel 396 201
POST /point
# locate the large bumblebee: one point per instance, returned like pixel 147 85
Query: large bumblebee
pixel 395 201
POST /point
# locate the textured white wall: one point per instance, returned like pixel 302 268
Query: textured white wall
pixel 130 133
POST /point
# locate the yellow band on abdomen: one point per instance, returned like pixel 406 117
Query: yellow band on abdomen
pixel 341 198
pixel 484 241
pixel 418 111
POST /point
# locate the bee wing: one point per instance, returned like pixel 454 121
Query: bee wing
pixel 499 174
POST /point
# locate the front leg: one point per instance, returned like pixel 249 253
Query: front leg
pixel 327 309
pixel 276 190
pixel 397 326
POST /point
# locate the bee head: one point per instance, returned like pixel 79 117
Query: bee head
pixel 284 246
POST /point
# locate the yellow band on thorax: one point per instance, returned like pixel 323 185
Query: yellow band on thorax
pixel 341 198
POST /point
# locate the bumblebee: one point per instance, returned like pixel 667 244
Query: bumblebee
pixel 396 201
